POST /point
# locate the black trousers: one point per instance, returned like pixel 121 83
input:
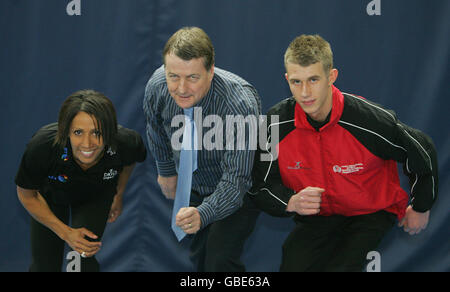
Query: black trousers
pixel 47 249
pixel 218 246
pixel 334 243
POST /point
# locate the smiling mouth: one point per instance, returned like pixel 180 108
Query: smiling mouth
pixel 87 154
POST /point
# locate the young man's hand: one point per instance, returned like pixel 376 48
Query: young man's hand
pixel 306 202
pixel 414 222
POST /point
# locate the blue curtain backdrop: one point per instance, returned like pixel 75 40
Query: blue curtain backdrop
pixel 399 59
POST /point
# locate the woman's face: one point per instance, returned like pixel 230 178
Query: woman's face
pixel 86 140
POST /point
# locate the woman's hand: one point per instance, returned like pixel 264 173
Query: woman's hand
pixel 116 209
pixel 76 239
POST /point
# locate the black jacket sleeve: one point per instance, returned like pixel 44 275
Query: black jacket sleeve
pixel 384 135
pixel 268 191
pixel 420 166
pixel 36 160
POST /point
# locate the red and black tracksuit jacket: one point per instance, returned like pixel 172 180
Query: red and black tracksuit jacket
pixel 353 157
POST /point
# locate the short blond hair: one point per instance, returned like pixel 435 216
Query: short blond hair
pixel 306 50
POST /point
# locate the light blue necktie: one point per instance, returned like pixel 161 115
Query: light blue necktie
pixel 188 164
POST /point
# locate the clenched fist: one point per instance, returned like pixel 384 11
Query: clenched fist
pixel 306 202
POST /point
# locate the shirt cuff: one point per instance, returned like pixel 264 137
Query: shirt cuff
pixel 166 168
pixel 206 214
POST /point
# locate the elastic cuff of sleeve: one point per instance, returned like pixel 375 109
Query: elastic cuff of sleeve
pixel 166 168
pixel 420 210
pixel 206 214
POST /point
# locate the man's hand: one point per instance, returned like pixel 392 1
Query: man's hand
pixel 306 202
pixel 168 186
pixel 188 219
pixel 414 222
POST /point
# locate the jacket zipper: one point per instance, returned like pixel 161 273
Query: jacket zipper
pixel 324 172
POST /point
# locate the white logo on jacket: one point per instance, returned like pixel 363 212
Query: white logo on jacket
pixel 111 152
pixel 109 175
pixel 345 169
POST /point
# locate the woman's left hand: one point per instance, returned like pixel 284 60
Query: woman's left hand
pixel 116 209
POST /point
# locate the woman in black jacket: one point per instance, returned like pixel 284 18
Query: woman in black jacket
pixel 77 168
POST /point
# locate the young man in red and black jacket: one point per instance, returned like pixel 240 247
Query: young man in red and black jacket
pixel 335 167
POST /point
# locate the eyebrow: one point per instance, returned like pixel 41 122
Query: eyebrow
pixel 190 75
pixel 309 78
pixel 82 129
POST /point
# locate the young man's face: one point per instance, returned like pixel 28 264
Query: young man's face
pixel 188 81
pixel 311 88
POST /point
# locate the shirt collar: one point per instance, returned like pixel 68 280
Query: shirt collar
pixel 301 120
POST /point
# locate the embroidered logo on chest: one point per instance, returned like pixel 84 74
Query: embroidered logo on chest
pixel 109 175
pixel 298 165
pixel 61 178
pixel 111 152
pixel 65 155
pixel 346 169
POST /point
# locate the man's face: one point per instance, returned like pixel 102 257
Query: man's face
pixel 188 81
pixel 311 88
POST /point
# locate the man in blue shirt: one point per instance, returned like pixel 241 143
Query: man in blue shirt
pixel 188 79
